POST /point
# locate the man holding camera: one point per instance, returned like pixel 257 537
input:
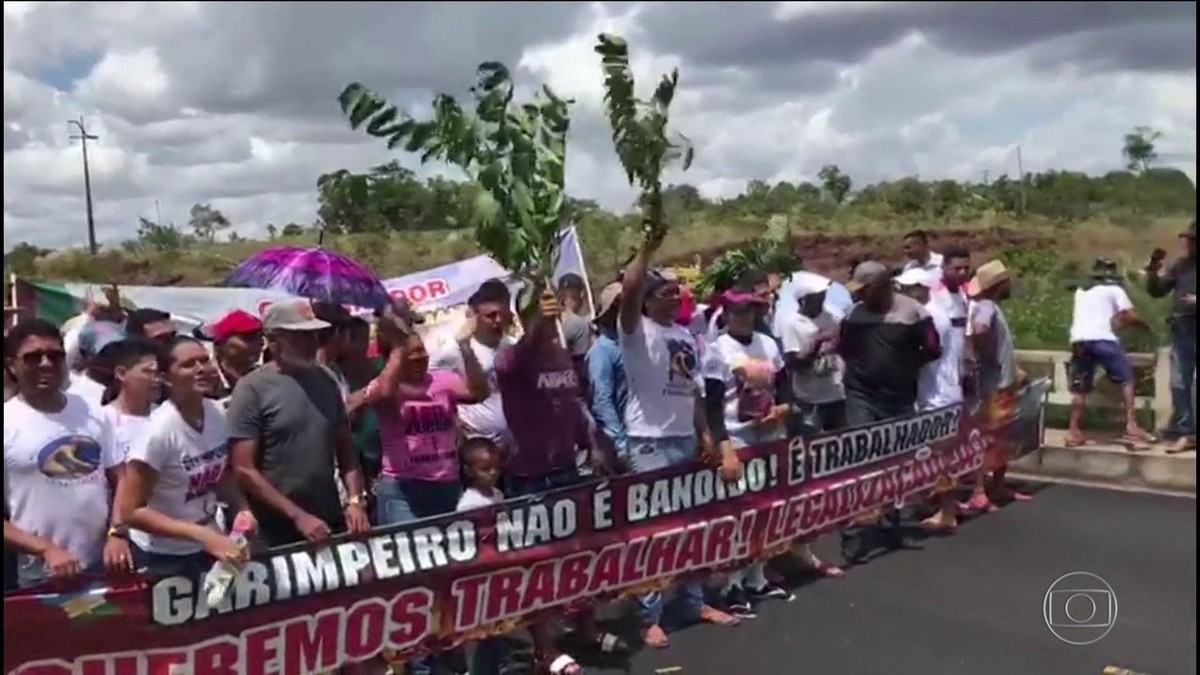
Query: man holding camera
pixel 1179 282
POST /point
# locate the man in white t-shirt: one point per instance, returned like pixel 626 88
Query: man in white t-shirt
pixel 939 383
pixel 60 466
pixel 491 319
pixel 1099 309
pixel 664 416
pixel 809 336
pixel 918 254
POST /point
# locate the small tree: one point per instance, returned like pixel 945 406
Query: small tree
pixel 515 152
pixel 836 184
pixel 1139 150
pixel 639 131
pixel 206 222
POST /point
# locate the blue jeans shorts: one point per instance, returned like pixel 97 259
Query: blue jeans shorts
pixel 1088 355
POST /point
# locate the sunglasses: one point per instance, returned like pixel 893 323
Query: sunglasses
pixel 34 359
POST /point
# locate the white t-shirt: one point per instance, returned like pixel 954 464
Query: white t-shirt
pixel 485 418
pixel 725 355
pixel 126 428
pixel 940 382
pixel 474 499
pixel 189 463
pixel 822 382
pixel 86 388
pixel 663 373
pixel 1094 312
pixel 933 264
pixel 54 481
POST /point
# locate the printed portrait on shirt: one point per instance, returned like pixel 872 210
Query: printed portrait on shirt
pixel 755 382
pixel 683 362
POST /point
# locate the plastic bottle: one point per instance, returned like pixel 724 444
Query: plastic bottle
pixel 221 576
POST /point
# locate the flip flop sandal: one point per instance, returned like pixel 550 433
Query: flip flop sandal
pixel 710 615
pixel 1078 442
pixel 1181 448
pixel 1135 443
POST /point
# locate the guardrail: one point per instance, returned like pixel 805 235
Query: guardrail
pixel 1158 363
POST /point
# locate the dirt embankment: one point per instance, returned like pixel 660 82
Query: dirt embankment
pixel 833 255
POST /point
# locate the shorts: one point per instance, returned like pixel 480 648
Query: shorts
pixel 1087 355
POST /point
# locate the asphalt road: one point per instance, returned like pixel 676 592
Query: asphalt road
pixel 972 603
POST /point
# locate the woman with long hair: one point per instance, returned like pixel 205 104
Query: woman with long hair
pixel 175 469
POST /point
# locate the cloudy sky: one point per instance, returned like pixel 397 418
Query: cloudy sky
pixel 235 103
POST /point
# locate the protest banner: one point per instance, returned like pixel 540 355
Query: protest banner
pixel 428 585
pixel 434 290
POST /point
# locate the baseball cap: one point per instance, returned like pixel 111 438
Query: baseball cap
pixel 295 316
pixel 916 277
pixel 609 301
pixel 236 322
pixel 657 279
pixel 867 273
pixel 97 335
pixel 734 298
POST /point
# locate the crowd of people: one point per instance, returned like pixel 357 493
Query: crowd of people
pixel 129 447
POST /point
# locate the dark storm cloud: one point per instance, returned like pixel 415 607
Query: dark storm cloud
pixel 296 62
pixel 749 35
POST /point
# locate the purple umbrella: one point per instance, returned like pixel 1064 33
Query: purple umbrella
pixel 313 273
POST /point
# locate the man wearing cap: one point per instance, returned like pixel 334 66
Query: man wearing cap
pixel 1100 308
pixel 289 433
pixel 238 346
pixel 809 336
pixel 885 341
pixel 606 373
pixel 999 376
pixel 1180 282
pixel 94 339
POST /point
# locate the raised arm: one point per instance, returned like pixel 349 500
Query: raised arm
pixel 633 284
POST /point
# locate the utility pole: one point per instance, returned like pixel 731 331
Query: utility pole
pixel 83 137
pixel 1021 170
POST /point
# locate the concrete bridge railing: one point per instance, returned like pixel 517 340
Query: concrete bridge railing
pixel 1055 362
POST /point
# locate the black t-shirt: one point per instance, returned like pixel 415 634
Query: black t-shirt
pixel 296 419
pixel 884 353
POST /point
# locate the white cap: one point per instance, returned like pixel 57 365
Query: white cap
pixel 916 277
pixel 805 284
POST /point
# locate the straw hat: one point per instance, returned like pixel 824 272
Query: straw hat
pixel 987 277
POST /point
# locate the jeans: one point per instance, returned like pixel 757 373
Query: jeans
pixel 1183 376
pixel 861 411
pixel 402 500
pixel 814 419
pixel 753 575
pixel 650 454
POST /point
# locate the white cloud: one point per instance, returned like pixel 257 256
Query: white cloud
pixel 234 103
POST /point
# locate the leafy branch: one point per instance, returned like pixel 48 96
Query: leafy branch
pixel 639 130
pixel 515 152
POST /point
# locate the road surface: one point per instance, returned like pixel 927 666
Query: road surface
pixel 972 603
